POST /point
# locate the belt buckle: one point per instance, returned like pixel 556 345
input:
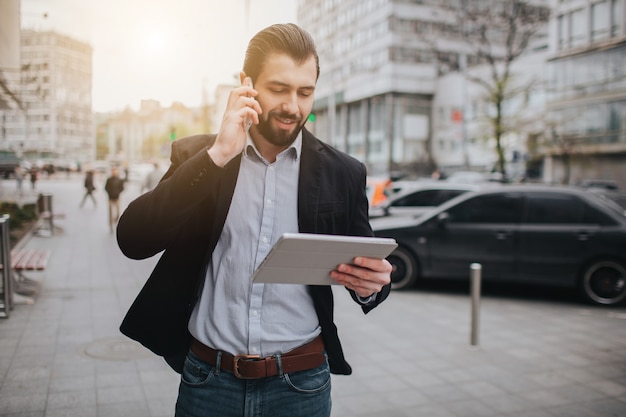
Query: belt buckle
pixel 238 358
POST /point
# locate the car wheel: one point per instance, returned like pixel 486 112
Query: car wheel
pixel 604 282
pixel 404 272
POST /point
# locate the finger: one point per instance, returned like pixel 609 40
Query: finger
pixel 362 287
pixel 358 278
pixel 247 89
pixel 377 270
pixel 380 265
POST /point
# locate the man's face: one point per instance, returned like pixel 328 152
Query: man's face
pixel 286 97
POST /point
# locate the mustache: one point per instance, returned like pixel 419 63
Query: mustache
pixel 286 116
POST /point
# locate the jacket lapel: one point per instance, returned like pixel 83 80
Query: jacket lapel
pixel 309 183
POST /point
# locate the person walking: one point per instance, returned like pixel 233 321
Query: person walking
pixel 114 186
pixel 19 179
pixel 244 348
pixel 90 187
pixel 34 175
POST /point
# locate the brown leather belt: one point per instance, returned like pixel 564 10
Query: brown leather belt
pixel 305 357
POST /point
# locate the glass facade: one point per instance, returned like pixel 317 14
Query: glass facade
pixel 588 78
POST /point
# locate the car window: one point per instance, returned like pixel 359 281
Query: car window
pixel 493 208
pixel 595 216
pixel 426 198
pixel 554 208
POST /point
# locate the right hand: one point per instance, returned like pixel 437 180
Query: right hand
pixel 231 138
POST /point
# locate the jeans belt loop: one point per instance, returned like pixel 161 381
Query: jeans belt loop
pixel 218 362
pixel 279 364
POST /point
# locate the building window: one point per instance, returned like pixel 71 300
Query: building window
pixel 600 21
pixel 578 28
pixel 563 31
pixel 617 17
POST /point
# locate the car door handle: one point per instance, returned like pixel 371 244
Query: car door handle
pixel 583 236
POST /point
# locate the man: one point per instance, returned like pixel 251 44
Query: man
pixel 114 186
pixel 243 348
pixel 90 187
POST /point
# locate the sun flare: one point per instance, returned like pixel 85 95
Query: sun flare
pixel 155 42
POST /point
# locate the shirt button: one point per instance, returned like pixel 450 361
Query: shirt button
pixel 265 240
pixel 268 201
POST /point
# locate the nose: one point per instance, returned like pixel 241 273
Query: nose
pixel 290 105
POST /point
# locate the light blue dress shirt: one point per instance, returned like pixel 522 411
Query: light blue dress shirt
pixel 233 314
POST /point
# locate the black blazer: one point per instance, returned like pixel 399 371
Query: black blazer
pixel 184 216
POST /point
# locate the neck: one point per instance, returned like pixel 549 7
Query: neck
pixel 268 150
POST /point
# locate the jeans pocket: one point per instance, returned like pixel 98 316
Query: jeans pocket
pixel 196 373
pixel 312 381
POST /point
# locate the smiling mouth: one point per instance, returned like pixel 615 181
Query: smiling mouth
pixel 287 121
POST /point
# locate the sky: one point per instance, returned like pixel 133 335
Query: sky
pixel 165 50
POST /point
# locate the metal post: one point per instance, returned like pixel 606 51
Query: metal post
pixel 5 259
pixel 46 214
pixel 475 276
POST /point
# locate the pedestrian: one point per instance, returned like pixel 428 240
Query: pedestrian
pixel 241 346
pixel 153 178
pixel 114 186
pixel 34 175
pixel 90 187
pixel 19 179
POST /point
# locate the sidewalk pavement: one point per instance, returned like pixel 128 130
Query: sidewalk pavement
pixel 538 356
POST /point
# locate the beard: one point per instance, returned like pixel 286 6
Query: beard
pixel 276 136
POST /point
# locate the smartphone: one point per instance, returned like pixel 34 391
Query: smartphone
pixel 248 121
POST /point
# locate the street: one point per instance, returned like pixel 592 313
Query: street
pixel 540 353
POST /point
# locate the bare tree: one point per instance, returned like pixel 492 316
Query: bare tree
pixel 559 141
pixel 498 32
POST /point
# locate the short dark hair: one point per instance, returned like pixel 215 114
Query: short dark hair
pixel 287 38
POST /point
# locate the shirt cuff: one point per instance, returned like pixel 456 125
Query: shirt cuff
pixel 366 300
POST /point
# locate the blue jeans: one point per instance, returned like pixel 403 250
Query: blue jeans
pixel 207 391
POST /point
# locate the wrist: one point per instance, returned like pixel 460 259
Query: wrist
pixel 218 157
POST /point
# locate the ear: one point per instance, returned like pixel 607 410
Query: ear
pixel 242 76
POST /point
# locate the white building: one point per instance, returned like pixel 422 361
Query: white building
pixel 390 91
pixel 55 91
pixel 9 58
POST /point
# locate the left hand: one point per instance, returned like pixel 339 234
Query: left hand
pixel 366 277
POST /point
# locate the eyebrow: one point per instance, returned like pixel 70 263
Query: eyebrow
pixel 282 84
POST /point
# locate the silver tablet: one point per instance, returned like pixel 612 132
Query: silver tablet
pixel 304 258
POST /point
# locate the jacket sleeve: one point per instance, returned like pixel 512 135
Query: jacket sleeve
pixel 153 221
pixel 361 226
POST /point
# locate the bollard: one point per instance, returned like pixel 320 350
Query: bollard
pixel 475 277
pixel 45 212
pixel 5 259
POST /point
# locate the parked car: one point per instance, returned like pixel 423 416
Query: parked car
pixel 599 183
pixel 475 177
pixel 618 197
pixel 417 198
pixel 525 233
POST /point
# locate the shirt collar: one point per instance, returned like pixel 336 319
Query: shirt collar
pixel 294 149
